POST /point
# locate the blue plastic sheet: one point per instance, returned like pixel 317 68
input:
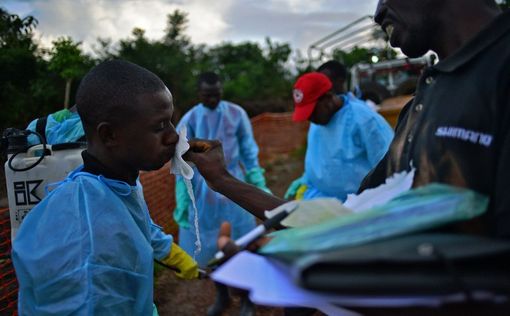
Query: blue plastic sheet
pixel 415 210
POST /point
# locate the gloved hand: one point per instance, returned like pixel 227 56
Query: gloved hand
pixel 179 259
pixel 293 188
pixel 255 176
pixel 182 201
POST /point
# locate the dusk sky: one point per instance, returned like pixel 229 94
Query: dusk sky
pixel 297 22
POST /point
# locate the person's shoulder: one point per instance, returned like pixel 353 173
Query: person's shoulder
pixel 359 107
pixel 234 108
pixel 363 114
pixel 232 105
pixel 195 110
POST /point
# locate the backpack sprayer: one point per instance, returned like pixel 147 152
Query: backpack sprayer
pixel 29 169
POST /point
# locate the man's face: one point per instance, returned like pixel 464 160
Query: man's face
pixel 410 24
pixel 326 107
pixel 148 139
pixel 210 94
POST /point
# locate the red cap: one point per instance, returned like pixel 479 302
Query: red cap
pixel 307 90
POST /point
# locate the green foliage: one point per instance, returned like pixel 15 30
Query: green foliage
pixel 176 25
pixel 251 74
pixel 67 59
pixel 26 89
pixel 169 59
pixel 363 55
pixel 504 4
pixel 15 31
pixel 254 75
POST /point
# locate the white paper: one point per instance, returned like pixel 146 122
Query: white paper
pixel 396 184
pixel 316 211
pixel 269 284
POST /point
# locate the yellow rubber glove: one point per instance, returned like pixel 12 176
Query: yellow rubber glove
pixel 180 260
pixel 300 194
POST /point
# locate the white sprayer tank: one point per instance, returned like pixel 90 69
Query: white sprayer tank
pixel 27 188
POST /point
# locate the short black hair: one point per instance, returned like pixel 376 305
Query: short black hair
pixel 109 91
pixel 335 68
pixel 208 77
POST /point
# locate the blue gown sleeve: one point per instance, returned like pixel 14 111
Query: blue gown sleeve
pixel 184 122
pixel 376 135
pixel 182 202
pixel 161 242
pixel 248 147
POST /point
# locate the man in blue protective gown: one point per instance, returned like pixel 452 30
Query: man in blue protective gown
pixel 227 122
pixel 63 126
pixel 346 138
pixel 88 247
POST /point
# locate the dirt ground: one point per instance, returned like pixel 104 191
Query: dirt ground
pixel 176 297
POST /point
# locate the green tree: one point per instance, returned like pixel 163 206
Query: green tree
pixel 67 59
pixel 26 89
pixel 177 22
pixel 363 55
pixel 171 57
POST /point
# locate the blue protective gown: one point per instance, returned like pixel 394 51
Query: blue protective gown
pixel 230 124
pixel 340 154
pixel 88 249
pixel 65 127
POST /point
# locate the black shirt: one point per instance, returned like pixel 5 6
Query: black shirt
pixel 457 128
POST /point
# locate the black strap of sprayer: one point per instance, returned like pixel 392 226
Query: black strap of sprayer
pixel 43 142
pixel 40 127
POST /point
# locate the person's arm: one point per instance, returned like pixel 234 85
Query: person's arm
pixel 294 187
pixel 182 202
pixel 170 254
pixel 379 173
pixel 208 157
pixel 247 146
pixel 376 136
pixel 249 152
pixel 501 198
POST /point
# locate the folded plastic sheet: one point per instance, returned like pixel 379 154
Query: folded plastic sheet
pixel 412 211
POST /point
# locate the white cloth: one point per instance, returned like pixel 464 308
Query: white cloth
pixel 185 169
pixel 178 165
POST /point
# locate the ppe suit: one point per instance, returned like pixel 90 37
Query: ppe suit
pixel 341 153
pixel 88 249
pixel 230 124
pixel 61 127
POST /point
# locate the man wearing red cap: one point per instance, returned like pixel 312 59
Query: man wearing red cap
pixel 345 141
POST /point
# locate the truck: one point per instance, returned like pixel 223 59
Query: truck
pixel 387 85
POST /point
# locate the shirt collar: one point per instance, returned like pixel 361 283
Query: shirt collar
pixel 92 165
pixel 497 28
pixel 219 108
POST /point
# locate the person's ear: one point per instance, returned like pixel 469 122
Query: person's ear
pixel 107 134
